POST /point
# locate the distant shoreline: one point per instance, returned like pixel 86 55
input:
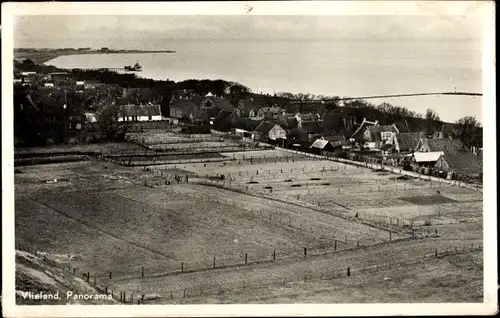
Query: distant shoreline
pixel 41 57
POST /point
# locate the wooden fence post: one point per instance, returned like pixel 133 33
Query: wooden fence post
pixel 348 271
pixel 182 267
pixel 305 251
pixel 246 258
pixel 335 244
pixel 274 255
pixel 142 271
pixel 109 275
pixel 214 261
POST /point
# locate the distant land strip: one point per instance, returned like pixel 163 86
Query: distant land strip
pixel 40 57
pixel 387 96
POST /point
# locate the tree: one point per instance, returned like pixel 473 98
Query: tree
pixel 432 119
pixel 470 132
pixel 109 126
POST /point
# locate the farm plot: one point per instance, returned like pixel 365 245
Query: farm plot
pixel 378 196
pixel 174 228
pixel 291 270
pixel 98 147
pixel 75 176
pixel 152 138
pixel 322 225
pixel 424 282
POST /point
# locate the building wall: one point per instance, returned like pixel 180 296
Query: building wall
pixel 442 165
pixel 140 118
pixel 277 132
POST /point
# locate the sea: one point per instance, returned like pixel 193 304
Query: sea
pixel 334 68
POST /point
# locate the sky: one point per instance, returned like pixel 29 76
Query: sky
pixel 95 31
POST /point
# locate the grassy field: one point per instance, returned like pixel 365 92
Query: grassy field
pixel 429 281
pixel 103 217
pixel 370 194
pixel 157 229
pixel 272 274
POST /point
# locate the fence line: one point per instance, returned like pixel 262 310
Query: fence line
pixel 218 288
pixel 214 289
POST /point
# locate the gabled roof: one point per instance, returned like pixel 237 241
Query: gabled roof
pixel 223 114
pixel 245 124
pixel 407 141
pixel 320 143
pixel 448 146
pixel 464 163
pixel 139 110
pixel 427 156
pixel 265 127
pixel 384 128
pixel 361 128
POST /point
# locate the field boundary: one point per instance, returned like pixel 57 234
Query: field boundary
pixel 217 289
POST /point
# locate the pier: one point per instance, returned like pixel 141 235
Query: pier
pixel 121 69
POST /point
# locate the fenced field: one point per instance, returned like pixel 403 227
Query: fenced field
pixel 316 285
pixel 372 195
pixel 167 226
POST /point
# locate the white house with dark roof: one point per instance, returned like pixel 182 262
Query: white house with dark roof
pixel 134 113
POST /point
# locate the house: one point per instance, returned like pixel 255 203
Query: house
pixel 287 121
pixel 267 130
pixel 375 137
pixel 461 164
pixel 448 146
pixel 322 145
pixel 313 129
pixel 359 132
pixel 269 112
pixel 426 159
pixel 405 142
pixel 338 141
pixel 197 108
pixel 135 113
pixel 244 126
pixel 183 110
pixel 224 119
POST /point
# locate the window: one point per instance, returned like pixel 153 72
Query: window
pixel 386 135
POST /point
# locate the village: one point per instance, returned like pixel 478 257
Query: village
pixel 429 147
pixel 167 194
